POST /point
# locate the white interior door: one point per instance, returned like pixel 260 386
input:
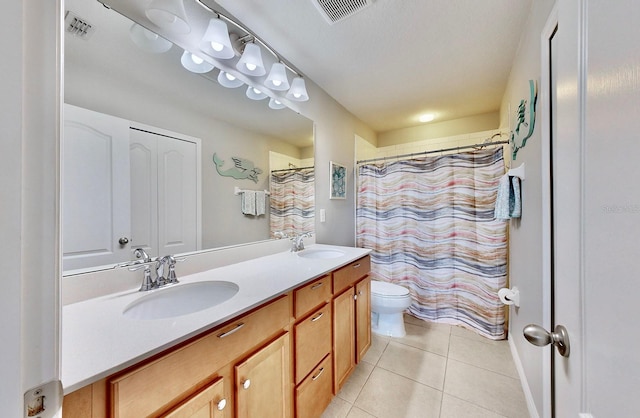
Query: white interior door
pixel 95 187
pixel 595 102
pixel 164 192
pixel 177 196
pixel 143 154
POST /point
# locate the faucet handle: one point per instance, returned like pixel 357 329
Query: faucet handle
pixel 171 262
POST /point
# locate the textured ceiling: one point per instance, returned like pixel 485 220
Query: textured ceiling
pixel 397 59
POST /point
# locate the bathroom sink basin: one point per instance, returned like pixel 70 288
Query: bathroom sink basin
pixel 320 253
pixel 180 300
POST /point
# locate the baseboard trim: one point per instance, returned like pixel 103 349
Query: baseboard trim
pixel 531 405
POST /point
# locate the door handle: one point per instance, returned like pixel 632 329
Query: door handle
pixel 539 336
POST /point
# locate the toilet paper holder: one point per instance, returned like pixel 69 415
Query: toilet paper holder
pixel 509 296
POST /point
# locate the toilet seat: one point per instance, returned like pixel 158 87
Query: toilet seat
pixel 388 290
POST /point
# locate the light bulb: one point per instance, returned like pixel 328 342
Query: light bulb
pixel 196 59
pixel 217 46
pixel 229 76
pixel 251 67
pixel 150 35
pixel 256 91
pixel 277 83
pixel 297 95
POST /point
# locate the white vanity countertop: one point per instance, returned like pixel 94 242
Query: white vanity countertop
pixel 98 340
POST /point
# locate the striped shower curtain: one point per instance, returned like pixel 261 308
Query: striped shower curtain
pixel 430 225
pixel 292 202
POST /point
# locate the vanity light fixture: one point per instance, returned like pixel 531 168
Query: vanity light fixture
pixel 255 94
pixel 147 40
pixel 250 62
pixel 276 104
pixel 229 80
pixel 194 63
pixel 215 41
pixel 277 79
pixel 169 15
pixel 218 43
pixel 298 90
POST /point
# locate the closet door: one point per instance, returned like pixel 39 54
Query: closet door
pixel 177 196
pixel 95 189
pixel 164 193
pixel 143 154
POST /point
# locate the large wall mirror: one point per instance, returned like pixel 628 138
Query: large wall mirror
pixel 164 105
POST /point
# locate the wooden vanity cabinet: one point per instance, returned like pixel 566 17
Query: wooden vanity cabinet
pixel 351 318
pixel 287 358
pixel 312 347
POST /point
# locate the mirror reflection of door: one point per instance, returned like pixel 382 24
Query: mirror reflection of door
pixel 125 188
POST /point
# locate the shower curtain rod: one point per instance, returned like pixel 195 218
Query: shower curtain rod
pixel 414 154
pixel 292 169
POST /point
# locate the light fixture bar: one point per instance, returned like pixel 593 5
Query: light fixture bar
pixel 253 35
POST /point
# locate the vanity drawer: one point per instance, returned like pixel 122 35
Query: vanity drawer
pixel 349 274
pixel 312 341
pixel 141 391
pixel 314 394
pixel 312 295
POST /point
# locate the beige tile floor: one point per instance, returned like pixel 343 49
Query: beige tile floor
pixel 436 371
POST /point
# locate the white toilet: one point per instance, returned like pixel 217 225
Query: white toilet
pixel 388 302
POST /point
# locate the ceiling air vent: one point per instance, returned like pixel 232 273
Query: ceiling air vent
pixel 77 26
pixel 336 10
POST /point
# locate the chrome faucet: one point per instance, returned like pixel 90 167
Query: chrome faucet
pixel 149 282
pixel 296 242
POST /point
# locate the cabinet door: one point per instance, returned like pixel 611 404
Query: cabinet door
pixel 343 338
pixel 363 317
pixel 95 189
pixel 210 402
pixel 263 382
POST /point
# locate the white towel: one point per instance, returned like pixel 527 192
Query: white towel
pixel 261 203
pixel 249 202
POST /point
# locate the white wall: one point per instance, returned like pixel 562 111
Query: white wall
pixel 28 207
pixel 335 130
pixel 525 235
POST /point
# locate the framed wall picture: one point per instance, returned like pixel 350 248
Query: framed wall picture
pixel 338 181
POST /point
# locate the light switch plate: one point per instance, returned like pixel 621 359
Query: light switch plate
pixel 44 401
pixel 323 215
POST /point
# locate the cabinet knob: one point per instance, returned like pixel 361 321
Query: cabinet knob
pixel 222 404
pixel 246 384
pixel 355 297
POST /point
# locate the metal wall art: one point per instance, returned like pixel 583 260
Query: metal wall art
pixel 243 169
pixel 525 118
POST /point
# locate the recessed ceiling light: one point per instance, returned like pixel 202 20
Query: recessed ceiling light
pixel 427 117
